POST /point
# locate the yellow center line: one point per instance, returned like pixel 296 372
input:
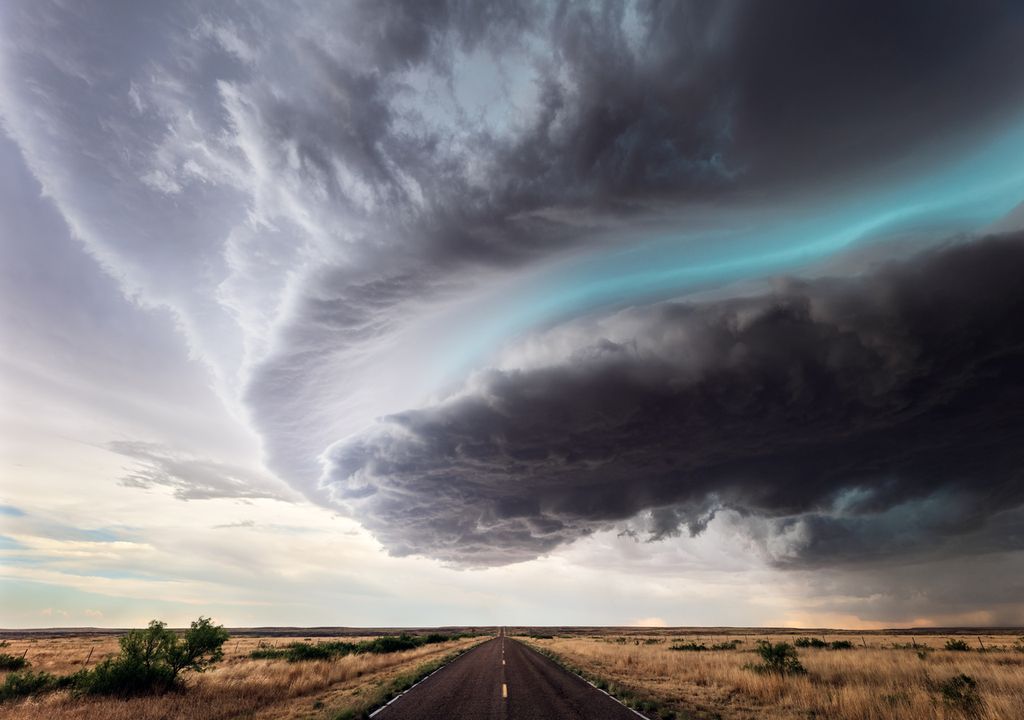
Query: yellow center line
pixel 504 690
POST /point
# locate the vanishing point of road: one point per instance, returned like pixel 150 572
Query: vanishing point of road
pixel 503 679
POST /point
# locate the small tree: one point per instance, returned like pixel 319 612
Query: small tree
pixel 201 647
pixel 147 647
pixel 152 659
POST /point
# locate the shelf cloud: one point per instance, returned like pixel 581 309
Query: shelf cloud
pixel 844 418
pixel 496 278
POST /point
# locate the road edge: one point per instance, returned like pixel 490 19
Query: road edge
pixel 562 663
pixel 445 662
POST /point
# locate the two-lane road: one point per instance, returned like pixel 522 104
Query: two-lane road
pixel 506 680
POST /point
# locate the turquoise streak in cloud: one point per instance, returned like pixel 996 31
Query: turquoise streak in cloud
pixel 964 196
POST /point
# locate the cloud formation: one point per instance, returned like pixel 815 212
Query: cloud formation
pixel 306 188
pixel 844 419
pixel 193 478
pixel 303 183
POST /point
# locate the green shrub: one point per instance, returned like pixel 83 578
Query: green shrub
pixel 25 682
pixel 778 659
pixel 390 644
pixel 266 651
pixel 125 677
pixel 807 642
pixel 301 651
pixel 958 645
pixel 961 692
pixel 297 652
pixel 13 662
pixel 728 645
pixel 841 645
pixel 689 646
pixel 151 660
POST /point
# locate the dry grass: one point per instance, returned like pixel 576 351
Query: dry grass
pixel 237 687
pixel 876 682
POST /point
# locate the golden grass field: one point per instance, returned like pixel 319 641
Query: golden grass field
pixel 883 680
pixel 236 687
pixel 883 676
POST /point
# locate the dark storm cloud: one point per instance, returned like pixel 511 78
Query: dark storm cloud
pixel 301 183
pixel 825 87
pixel 637 105
pixel 846 419
pixel 637 110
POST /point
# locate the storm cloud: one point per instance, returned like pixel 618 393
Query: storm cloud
pixel 487 222
pixel 844 419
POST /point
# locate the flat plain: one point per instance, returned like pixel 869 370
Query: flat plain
pixel 711 673
pixel 238 686
pixel 664 673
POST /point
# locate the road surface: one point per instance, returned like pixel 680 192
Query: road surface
pixel 506 680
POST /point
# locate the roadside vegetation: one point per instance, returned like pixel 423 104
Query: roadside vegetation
pixel 789 675
pixel 150 662
pixel 340 687
pixel 300 651
pixel 9 661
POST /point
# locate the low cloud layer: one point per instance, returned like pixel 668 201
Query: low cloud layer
pixel 846 419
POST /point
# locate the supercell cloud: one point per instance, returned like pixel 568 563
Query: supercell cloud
pixel 490 277
pixel 860 417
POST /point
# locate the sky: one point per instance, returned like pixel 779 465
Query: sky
pixel 475 313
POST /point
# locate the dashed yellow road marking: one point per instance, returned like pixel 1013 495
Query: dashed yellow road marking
pixel 504 690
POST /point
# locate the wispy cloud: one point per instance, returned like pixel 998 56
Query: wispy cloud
pixel 192 478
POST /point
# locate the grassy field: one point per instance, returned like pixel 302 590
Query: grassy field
pixel 880 676
pixel 238 686
pixel 667 673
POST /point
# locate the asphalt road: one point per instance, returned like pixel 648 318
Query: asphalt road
pixel 503 679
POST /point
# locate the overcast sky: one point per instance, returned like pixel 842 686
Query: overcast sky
pixel 422 313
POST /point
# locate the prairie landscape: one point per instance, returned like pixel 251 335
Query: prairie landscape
pixel 695 673
pixel 665 673
pixel 239 685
